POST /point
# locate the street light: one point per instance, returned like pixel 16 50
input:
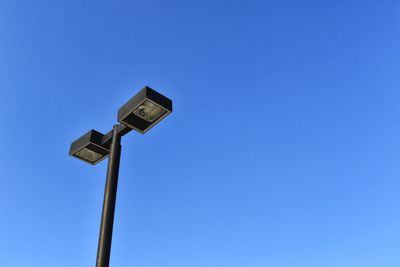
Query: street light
pixel 89 148
pixel 144 110
pixel 140 113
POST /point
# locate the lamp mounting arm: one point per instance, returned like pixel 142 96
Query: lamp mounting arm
pixel 121 131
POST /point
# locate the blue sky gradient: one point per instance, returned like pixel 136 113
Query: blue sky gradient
pixel 282 150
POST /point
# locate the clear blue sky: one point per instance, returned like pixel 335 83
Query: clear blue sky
pixel 283 149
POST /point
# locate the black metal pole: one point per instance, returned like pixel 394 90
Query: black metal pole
pixel 110 195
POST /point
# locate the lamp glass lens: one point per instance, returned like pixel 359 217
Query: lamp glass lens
pixel 149 111
pixel 88 155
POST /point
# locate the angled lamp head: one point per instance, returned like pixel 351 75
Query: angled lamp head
pixel 144 110
pixel 89 148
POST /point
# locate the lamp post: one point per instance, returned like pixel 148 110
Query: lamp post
pixel 140 113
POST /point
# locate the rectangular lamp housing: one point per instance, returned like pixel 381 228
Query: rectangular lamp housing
pixel 89 148
pixel 144 110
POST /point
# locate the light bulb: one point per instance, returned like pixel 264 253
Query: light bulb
pixel 149 111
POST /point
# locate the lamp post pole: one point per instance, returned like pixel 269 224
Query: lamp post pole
pixel 110 195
